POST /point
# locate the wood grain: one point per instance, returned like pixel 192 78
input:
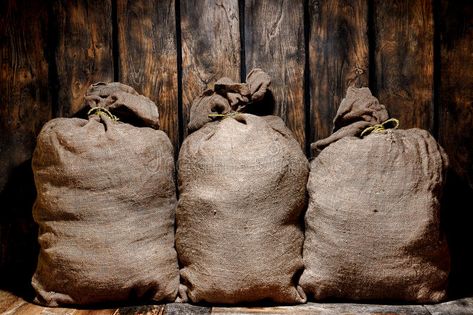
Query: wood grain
pixel 456 136
pixel 31 309
pixel 327 309
pixel 96 312
pixel 460 306
pixel 456 94
pixel 24 108
pixel 184 308
pixel 84 49
pixel 338 58
pixel 9 302
pixel 24 94
pixel 274 42
pixel 143 309
pixel 210 46
pixel 404 31
pixel 148 56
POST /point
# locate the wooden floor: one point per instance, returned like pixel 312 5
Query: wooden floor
pixel 11 304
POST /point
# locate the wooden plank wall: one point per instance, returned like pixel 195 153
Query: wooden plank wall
pixel 454 112
pixel 149 62
pixel 415 55
pixel 274 41
pixel 210 44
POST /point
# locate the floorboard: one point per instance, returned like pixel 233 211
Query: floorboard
pixel 13 305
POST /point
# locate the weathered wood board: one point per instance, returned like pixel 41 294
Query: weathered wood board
pixel 25 105
pixel 83 54
pixel 404 60
pixel 210 41
pixel 455 122
pixel 338 58
pixel 274 42
pixel 11 304
pixel 148 56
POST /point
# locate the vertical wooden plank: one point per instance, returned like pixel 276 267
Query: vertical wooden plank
pixel 274 42
pixel 84 49
pixel 148 57
pixel 24 97
pixel 210 46
pixel 338 57
pixel 456 135
pixel 404 31
pixel 24 108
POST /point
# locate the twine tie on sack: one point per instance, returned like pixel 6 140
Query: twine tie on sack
pixel 100 110
pixel 380 127
pixel 230 114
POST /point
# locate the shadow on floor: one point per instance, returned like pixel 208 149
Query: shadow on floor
pixel 18 232
pixel 457 218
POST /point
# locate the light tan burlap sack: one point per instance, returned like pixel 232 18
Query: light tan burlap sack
pixel 105 204
pixel 372 226
pixel 242 195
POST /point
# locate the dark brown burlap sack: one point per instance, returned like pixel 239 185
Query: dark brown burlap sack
pixel 242 195
pixel 105 204
pixel 372 226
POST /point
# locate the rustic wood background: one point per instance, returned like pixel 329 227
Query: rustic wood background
pixel 415 55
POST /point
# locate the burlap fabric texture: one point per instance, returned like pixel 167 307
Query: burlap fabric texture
pixel 105 203
pixel 373 221
pixel 242 183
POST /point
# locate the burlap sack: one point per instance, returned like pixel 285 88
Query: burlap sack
pixel 105 204
pixel 372 226
pixel 242 196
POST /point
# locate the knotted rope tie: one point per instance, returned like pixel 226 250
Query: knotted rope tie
pixel 230 114
pixel 100 110
pixel 380 127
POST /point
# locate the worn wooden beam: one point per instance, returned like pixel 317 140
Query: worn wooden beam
pixel 32 309
pixel 338 58
pixel 460 307
pixel 9 302
pixel 24 94
pixel 84 49
pixel 143 309
pixel 327 309
pixel 210 46
pixel 99 312
pixel 25 105
pixel 404 59
pixel 274 41
pixel 184 308
pixel 148 56
pixel 456 86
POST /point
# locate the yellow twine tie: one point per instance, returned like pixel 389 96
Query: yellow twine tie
pixel 230 114
pixel 380 127
pixel 100 110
